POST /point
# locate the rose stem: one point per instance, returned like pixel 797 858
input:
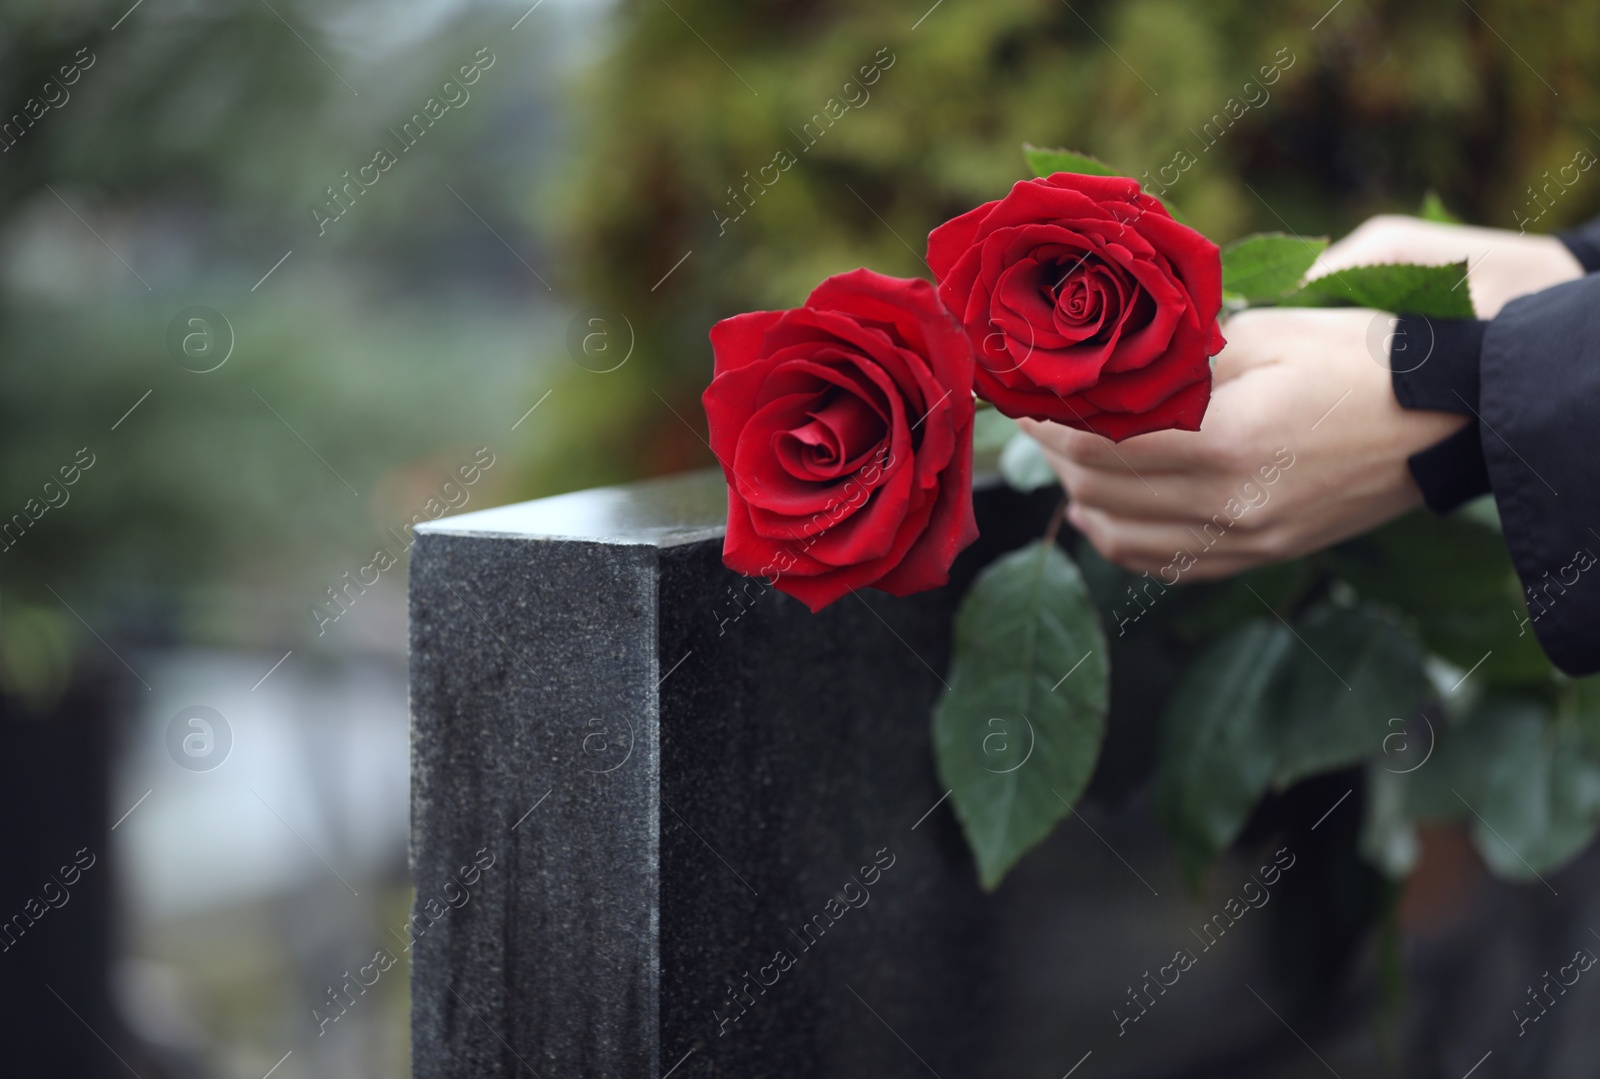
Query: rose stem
pixel 1055 520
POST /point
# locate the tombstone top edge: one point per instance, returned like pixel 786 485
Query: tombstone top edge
pixel 663 512
pixel 667 511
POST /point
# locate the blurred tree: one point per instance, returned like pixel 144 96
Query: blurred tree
pixel 175 167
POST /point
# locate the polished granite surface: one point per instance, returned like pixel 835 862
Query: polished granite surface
pixel 660 512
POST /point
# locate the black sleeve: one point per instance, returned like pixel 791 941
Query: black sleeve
pixel 1435 366
pixel 1540 395
pixel 1534 372
pixel 1584 243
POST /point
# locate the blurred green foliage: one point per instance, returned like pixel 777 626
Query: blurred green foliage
pixel 1384 100
pixel 176 167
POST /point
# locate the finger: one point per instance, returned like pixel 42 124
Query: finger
pixel 1159 496
pixel 1159 451
pixel 1207 450
pixel 1171 551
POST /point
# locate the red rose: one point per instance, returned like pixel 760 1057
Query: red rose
pixel 844 428
pixel 1086 304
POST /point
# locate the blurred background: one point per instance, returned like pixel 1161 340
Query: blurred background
pixel 229 381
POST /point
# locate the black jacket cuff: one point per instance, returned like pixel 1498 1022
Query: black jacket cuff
pixel 1584 243
pixel 1453 472
pixel 1434 366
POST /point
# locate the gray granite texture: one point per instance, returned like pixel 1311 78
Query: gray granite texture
pixel 665 822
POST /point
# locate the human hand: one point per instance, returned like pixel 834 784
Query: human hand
pixel 1502 264
pixel 1303 445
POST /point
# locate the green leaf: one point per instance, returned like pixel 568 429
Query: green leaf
pixel 991 431
pixel 1420 290
pixel 1268 265
pixel 1208 609
pixel 1483 511
pixel 1018 735
pixel 1454 577
pixel 1023 465
pixel 1353 671
pixel 1433 209
pixel 1529 784
pixel 1455 773
pixel 1543 804
pixel 1048 162
pixel 1581 701
pixel 1219 741
pixel 1388 836
pixel 1307 297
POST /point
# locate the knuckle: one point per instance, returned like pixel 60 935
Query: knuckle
pixel 1113 548
pixel 1091 523
pixel 1084 448
pixel 1222 453
pixel 1081 484
pixel 1251 522
pixel 1258 522
pixel 1271 544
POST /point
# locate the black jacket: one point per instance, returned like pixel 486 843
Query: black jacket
pixel 1531 379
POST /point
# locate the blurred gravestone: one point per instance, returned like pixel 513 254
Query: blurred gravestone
pixel 56 888
pixel 666 821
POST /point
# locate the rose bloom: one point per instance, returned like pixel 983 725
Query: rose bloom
pixel 844 429
pixel 1086 304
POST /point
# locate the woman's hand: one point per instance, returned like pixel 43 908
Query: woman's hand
pixel 1303 445
pixel 1502 264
